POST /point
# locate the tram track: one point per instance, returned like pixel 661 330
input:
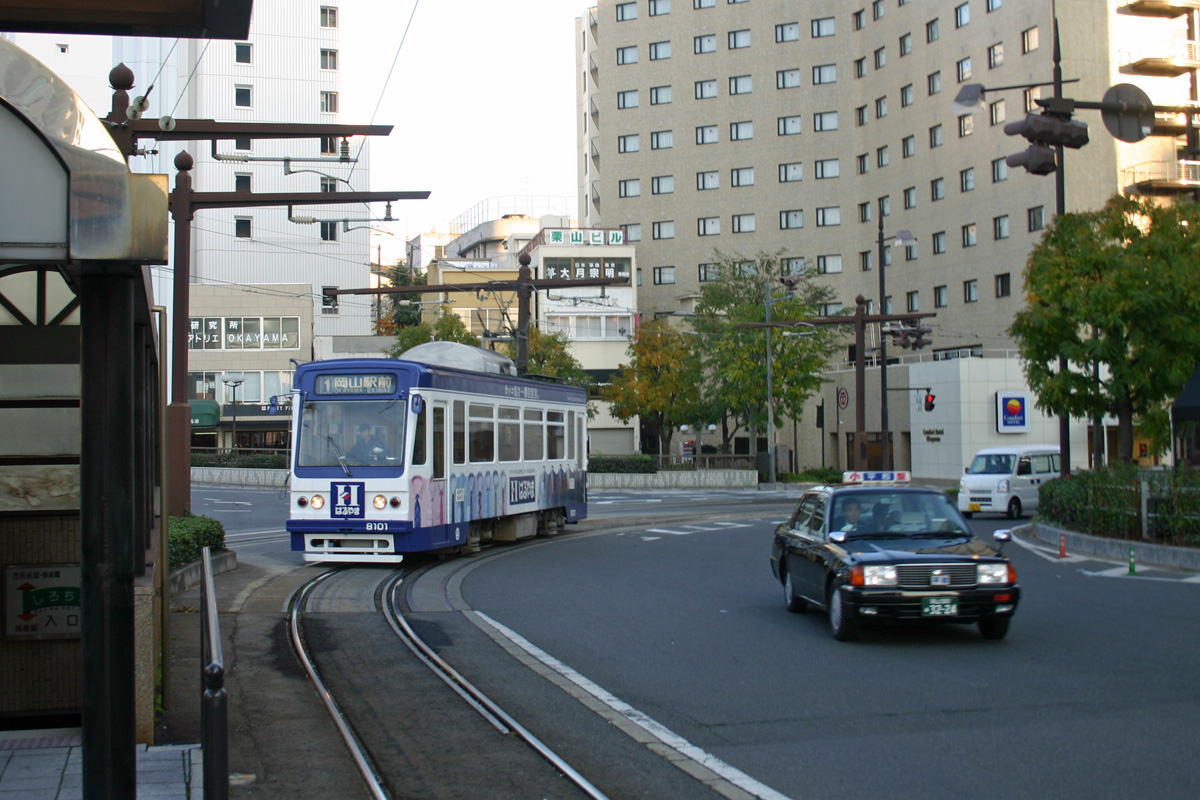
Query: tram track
pixel 374 744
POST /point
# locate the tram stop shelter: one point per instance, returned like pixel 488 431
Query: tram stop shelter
pixel 80 410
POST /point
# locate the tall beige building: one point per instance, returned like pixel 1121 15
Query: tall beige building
pixel 764 125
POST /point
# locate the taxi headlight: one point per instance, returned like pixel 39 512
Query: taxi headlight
pixel 993 573
pixel 317 501
pixel 884 575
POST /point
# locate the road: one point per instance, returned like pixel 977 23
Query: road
pixel 1093 693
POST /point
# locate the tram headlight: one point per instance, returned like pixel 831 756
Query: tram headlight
pixel 380 502
pixel 317 501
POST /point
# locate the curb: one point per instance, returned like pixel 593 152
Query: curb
pixel 189 575
pixel 1161 555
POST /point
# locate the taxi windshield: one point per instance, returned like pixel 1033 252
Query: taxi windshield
pixel 886 513
pixel 994 464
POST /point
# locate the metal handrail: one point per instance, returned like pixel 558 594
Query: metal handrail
pixel 214 712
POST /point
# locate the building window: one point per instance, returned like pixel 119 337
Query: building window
pixel 662 140
pixel 242 227
pixel 788 126
pixel 706 134
pixel 708 226
pixel 964 69
pixel 859 19
pixel 660 7
pixel 329 102
pixel 966 179
pixel 860 116
pixel 789 220
pixel 860 67
pixel 999 170
pixel 996 112
pixel 739 40
pixel 864 163
pixel 877 9
pixel 934 82
pixel 709 272
pixel 1036 221
pixel 937 189
pixel 329 145
pixel 880 107
pixel 664 230
pixel 787 32
pixel 241 182
pixel 664 276
pixel 787 79
pixel 629 188
pixel 910 197
pixel 743 223
pixel 970 235
pixel 881 156
pixel 708 180
pixel 706 89
pixel 741 131
pixel 660 95
pixel 912 301
pixel 627 55
pixel 829 216
pixel 241 52
pixel 627 99
pixel 940 296
pixel 633 231
pixel 906 46
pixel 995 55
pixel 935 136
pixel 825 121
pixel 829 265
pixel 705 44
pixel 864 260
pixel 329 59
pixel 1003 285
pixel 908 146
pixel 962 15
pixel 906 95
pixel 970 291
pixel 704 3
pixel 939 243
pixel 993 5
pixel 329 300
pixel 932 31
pixel 966 125
pixel 823 73
pixel 880 58
pixel 629 143
pixel 241 96
pixel 1029 40
pixel 626 11
pixel 741 84
pixel 827 168
pixel 329 184
pixel 793 266
pixel 663 184
pixel 1000 227
pixel 789 173
pixel 741 176
pixel 329 232
pixel 660 51
pixel 823 26
pixel 329 17
pixel 1030 97
pixel 864 212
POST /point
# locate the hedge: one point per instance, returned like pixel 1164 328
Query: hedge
pixel 241 460
pixel 187 535
pixel 642 464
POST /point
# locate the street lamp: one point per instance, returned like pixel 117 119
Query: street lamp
pixel 233 385
pixel 904 237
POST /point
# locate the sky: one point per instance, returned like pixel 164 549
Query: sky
pixel 482 97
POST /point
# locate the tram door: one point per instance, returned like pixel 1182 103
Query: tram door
pixel 440 494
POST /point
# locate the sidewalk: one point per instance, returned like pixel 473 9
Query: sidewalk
pixel 48 765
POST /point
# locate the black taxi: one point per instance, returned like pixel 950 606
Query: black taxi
pixel 878 549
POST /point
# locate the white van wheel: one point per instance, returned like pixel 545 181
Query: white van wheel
pixel 1014 508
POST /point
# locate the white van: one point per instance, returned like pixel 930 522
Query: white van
pixel 1005 480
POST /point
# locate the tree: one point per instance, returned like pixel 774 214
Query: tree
pixel 397 311
pixel 1116 288
pixel 447 328
pixel 735 358
pixel 550 357
pixel 661 383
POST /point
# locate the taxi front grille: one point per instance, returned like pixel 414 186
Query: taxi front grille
pixel 921 576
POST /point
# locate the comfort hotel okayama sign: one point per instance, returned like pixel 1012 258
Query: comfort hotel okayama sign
pixel 571 236
pixel 1012 412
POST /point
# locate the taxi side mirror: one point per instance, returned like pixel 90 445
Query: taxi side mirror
pixel 837 537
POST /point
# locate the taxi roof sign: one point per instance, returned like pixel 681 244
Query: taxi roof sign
pixel 892 477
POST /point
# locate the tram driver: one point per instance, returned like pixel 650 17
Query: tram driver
pixel 369 448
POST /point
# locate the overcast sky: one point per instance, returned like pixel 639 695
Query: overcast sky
pixel 482 97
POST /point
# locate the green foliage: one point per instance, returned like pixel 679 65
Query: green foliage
pixel 620 464
pixel 447 328
pixel 550 356
pixel 395 316
pixel 818 475
pixel 1117 288
pixel 660 383
pixel 240 460
pixel 187 535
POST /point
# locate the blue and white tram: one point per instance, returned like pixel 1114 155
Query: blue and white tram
pixel 402 456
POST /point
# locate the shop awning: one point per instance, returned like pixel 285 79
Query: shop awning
pixel 205 413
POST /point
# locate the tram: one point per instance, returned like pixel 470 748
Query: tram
pixel 441 450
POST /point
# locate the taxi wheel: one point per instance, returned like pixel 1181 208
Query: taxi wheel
pixel 1014 508
pixel 844 629
pixel 795 604
pixel 994 628
pixel 968 514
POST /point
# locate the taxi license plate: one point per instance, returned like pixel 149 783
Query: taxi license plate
pixel 939 606
pixel 972 506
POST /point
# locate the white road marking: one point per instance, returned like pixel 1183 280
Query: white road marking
pixel 660 732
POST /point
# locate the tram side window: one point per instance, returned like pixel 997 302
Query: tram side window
pixel 555 438
pixel 483 433
pixel 570 435
pixel 460 432
pixel 510 434
pixel 439 442
pixel 420 446
pixel 534 449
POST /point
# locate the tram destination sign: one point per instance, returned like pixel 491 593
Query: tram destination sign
pixel 372 383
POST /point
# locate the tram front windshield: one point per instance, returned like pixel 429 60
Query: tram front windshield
pixel 352 433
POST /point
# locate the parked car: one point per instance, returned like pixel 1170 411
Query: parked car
pixel 876 549
pixel 1006 479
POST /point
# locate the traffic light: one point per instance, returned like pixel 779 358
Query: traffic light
pixel 928 401
pixel 1043 131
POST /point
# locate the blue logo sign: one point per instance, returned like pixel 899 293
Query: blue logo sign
pixel 347 500
pixel 1012 412
pixel 522 490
